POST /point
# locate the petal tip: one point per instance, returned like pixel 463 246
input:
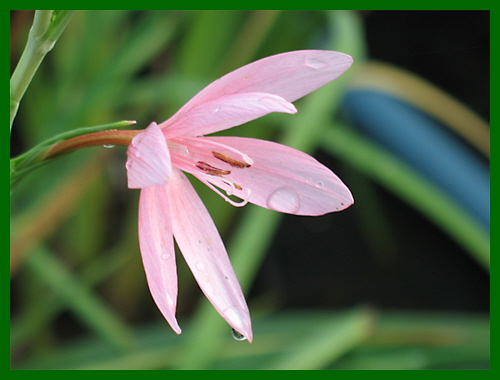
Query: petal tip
pixel 239 320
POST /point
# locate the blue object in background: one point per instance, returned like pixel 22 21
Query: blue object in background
pixel 424 144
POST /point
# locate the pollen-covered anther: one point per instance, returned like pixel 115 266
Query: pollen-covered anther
pixel 212 170
pixel 231 161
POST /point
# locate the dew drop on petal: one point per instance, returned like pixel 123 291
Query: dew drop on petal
pixel 284 199
pixel 200 266
pixel 315 63
pixel 319 184
pixel 236 335
pixel 165 256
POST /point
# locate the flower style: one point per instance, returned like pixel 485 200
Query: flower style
pixel 261 172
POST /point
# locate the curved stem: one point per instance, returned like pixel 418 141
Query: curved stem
pixel 113 137
pixel 68 142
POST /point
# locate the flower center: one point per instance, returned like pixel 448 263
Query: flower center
pixel 203 158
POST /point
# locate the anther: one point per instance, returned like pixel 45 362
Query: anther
pixel 212 170
pixel 231 161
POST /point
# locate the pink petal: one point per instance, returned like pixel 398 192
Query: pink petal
pixel 224 112
pixel 148 161
pixel 281 178
pixel 289 75
pixel 204 252
pixel 157 250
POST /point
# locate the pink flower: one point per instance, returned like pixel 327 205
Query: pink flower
pixel 261 172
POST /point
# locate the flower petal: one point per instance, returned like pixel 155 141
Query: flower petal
pixel 281 178
pixel 157 251
pixel 290 75
pixel 148 162
pixel 224 112
pixel 204 252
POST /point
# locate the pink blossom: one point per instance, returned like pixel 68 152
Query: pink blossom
pixel 261 172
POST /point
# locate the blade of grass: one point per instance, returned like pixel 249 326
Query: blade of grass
pixel 36 223
pixel 47 27
pixel 424 340
pixel 427 97
pixel 249 39
pixel 327 342
pixel 38 314
pixel 206 40
pixel 80 299
pixel 378 164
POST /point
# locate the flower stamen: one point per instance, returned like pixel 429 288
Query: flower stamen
pixel 231 161
pixel 191 143
pixel 212 170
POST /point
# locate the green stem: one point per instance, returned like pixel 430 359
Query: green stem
pixel 46 29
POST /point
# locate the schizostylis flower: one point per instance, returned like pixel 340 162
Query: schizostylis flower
pixel 264 173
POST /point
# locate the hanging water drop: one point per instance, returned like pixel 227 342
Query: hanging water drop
pixel 236 335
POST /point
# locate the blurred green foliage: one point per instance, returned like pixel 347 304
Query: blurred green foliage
pixel 79 296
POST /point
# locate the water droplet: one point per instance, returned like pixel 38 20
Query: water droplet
pixel 319 184
pixel 217 109
pixel 109 146
pixel 165 256
pixel 284 199
pixel 236 335
pixel 200 266
pixel 315 63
